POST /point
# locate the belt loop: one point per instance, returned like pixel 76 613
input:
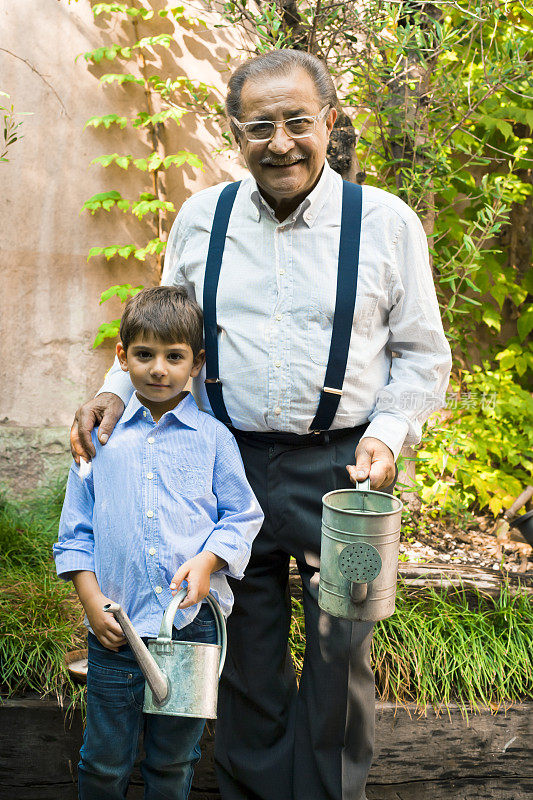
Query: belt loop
pixel 326 437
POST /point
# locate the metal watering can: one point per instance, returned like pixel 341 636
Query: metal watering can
pixel 359 553
pixel 181 677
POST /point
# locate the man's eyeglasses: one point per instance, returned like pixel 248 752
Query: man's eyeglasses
pixel 263 130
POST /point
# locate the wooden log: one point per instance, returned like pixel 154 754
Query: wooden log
pixel 432 757
pixel 463 789
pixel 456 576
pixel 520 501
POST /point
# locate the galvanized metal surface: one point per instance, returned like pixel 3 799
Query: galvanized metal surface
pixel 181 677
pixel 359 553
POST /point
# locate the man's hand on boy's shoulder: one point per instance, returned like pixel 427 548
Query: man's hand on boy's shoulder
pixel 105 409
pixel 197 572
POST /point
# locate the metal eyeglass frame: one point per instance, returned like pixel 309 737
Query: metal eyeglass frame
pixel 242 126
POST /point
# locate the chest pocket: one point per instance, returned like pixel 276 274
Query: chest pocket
pixel 319 326
pixel 190 481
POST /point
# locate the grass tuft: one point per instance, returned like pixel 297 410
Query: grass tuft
pixel 437 649
pixel 40 617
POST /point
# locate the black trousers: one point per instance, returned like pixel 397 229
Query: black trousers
pixel 273 741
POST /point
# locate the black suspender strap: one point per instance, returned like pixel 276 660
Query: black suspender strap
pixel 213 384
pixel 348 264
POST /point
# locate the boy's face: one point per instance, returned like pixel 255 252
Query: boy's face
pixel 159 371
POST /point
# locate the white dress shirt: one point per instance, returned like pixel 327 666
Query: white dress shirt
pixel 275 305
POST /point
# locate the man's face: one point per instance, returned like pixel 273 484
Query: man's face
pixel 284 168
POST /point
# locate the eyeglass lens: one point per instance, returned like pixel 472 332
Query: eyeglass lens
pixel 295 127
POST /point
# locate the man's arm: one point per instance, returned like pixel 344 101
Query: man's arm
pixel 420 370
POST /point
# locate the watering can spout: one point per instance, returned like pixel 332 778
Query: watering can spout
pixel 155 678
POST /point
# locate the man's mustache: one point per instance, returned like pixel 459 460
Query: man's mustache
pixel 272 162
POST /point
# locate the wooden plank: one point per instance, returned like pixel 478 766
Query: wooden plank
pixel 448 746
pixel 417 758
pixel 460 789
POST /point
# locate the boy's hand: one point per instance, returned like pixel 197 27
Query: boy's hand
pixel 104 625
pixel 197 572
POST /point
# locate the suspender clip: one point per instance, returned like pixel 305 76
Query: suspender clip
pixel 212 380
pixel 332 391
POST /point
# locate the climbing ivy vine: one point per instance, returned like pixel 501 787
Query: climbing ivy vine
pixel 161 101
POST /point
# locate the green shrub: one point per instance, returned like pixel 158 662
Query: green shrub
pixel 482 455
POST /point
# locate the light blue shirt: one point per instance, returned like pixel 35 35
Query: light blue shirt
pixel 157 495
pixel 275 306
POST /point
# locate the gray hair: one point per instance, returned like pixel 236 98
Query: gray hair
pixel 279 62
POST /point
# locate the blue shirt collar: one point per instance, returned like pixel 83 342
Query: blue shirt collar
pixel 185 412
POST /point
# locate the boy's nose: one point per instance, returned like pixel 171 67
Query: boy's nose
pixel 159 368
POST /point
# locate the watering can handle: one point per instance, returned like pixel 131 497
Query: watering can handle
pixel 165 632
pixel 363 485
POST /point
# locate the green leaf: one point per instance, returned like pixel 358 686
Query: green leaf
pixel 95 251
pixel 123 291
pixel 491 317
pixel 525 323
pixel 106 121
pixel 103 200
pixel 107 330
pixel 115 77
pixel 123 161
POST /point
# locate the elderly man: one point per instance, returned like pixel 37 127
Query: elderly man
pixel 308 287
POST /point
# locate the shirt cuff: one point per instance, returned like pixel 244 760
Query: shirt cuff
pixel 73 561
pixel 236 564
pixel 120 384
pixel 390 430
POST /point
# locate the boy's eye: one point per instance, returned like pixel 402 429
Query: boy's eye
pixel 174 356
pixel 144 354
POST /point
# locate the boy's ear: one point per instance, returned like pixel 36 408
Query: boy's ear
pixel 198 363
pixel 121 354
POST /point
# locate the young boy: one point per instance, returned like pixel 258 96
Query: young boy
pixel 165 501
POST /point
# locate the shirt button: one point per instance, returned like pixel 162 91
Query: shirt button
pixel 277 410
pixel 279 317
pixel 278 363
pixel 149 475
pixel 158 589
pixel 152 551
pixel 144 413
pixel 150 440
pixel 149 513
pixel 282 272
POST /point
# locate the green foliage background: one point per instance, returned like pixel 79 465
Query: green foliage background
pixel 438 103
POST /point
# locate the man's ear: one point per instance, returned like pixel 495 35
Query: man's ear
pixel 121 354
pixel 330 120
pixel 198 363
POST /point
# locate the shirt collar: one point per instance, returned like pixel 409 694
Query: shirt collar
pixel 309 208
pixel 185 412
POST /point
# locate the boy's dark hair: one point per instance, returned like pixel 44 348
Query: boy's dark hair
pixel 165 312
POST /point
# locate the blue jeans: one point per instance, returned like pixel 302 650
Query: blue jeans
pixel 115 722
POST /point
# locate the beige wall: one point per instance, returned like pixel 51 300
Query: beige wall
pixel 49 310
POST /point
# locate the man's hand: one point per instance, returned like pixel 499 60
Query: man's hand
pixel 106 409
pixel 197 572
pixel 373 458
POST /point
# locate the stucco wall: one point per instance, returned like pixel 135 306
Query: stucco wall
pixel 49 310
